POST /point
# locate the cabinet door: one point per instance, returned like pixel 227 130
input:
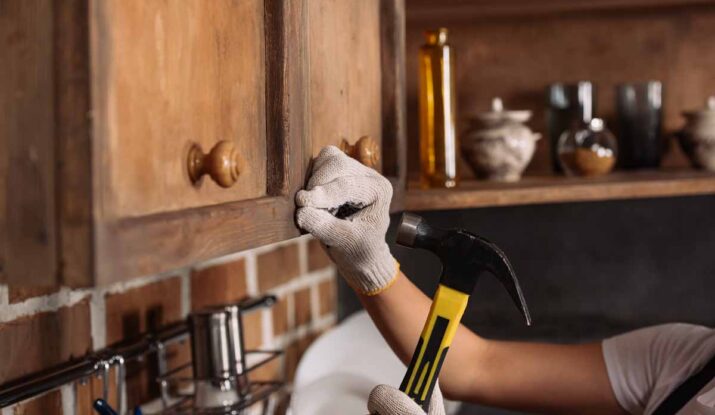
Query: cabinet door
pixel 345 72
pixel 168 76
pixel 357 80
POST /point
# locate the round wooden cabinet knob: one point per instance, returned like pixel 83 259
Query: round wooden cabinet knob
pixel 221 163
pixel 365 150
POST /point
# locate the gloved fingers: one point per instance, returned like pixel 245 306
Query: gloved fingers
pixel 320 223
pixel 328 151
pixel 332 163
pixel 379 206
pixel 436 404
pixel 386 400
pixel 355 190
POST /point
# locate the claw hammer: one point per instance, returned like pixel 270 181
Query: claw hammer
pixel 464 256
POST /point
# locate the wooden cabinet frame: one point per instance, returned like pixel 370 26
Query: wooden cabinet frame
pixel 394 97
pixel 81 246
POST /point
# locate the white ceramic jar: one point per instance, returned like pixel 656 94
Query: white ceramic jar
pixel 503 147
pixel 697 138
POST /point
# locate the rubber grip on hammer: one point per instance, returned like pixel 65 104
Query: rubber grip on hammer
pixel 444 316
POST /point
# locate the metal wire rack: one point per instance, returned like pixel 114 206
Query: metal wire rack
pixel 176 385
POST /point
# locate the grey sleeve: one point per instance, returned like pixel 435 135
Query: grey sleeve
pixel 645 365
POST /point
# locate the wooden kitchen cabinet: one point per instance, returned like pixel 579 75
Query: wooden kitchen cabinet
pixel 109 110
pixel 345 97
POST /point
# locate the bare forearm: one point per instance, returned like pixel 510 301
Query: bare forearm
pixel 540 377
pixel 526 376
pixel 400 312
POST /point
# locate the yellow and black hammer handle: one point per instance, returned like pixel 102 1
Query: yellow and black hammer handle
pixel 445 314
pixel 464 256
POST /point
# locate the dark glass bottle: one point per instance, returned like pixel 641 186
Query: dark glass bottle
pixel 640 117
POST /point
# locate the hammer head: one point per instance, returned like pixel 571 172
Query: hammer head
pixel 464 257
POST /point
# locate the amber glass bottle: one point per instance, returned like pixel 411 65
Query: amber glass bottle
pixel 438 140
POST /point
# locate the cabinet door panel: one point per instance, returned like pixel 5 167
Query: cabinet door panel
pixel 170 74
pixel 345 72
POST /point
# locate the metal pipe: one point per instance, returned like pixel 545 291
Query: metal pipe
pixel 121 379
pixel 37 384
pixel 31 386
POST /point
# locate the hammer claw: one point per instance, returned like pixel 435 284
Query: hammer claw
pixel 496 262
pixel 514 290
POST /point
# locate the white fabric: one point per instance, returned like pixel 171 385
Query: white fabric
pixel 338 371
pixel 356 243
pixel 646 365
pixel 387 400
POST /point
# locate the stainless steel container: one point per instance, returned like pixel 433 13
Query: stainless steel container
pixel 217 351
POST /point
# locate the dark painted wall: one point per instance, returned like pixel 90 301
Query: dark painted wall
pixel 588 270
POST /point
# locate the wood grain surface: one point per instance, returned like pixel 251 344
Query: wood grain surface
pixel 168 75
pixel 471 9
pixel 27 133
pixel 130 247
pixel 3 200
pixel 558 189
pixel 517 56
pixel 121 89
pixel 394 102
pixel 345 72
pixel 75 143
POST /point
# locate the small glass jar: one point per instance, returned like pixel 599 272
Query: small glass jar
pixel 588 150
pixel 568 105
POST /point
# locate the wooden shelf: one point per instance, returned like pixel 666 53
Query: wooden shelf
pixel 475 9
pixel 559 189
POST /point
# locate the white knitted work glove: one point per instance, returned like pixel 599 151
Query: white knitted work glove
pixel 341 186
pixel 386 400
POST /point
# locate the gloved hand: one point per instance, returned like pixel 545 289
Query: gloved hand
pixel 355 243
pixel 386 400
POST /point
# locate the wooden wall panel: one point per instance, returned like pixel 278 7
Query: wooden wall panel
pixel 27 131
pixel 169 76
pixel 4 142
pixel 3 201
pixel 516 57
pixel 3 189
pixel 345 72
pixel 394 123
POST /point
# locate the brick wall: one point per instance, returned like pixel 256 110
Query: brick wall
pixel 45 326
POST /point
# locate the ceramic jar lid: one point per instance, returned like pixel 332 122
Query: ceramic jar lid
pixel 706 113
pixel 499 115
pixel 499 124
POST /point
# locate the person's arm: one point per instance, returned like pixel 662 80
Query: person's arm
pixel 531 377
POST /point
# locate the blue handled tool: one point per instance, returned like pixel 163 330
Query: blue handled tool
pixel 103 408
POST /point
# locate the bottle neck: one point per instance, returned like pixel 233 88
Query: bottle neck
pixel 436 37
